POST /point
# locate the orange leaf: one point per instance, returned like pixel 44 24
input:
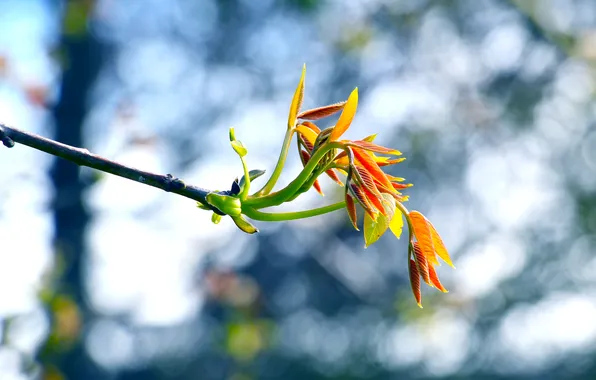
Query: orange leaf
pixel 346 117
pixel 415 282
pixel 351 207
pixel 439 245
pixel 371 166
pixel 384 161
pixel 422 233
pixel 317 187
pixel 401 186
pixel 312 126
pixel 297 100
pixel 435 279
pixel 321 112
pixel 307 133
pixel 422 263
pixel 369 146
pixel 333 175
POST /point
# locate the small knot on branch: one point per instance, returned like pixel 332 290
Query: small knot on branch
pixel 7 141
pixel 173 183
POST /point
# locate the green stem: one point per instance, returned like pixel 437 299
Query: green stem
pixel 281 161
pixel 281 196
pixel 282 216
pixel 244 193
pixel 405 211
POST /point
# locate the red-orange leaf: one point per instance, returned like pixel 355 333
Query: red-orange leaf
pixel 333 175
pixel 321 112
pixel 317 187
pixel 401 186
pixel 422 233
pixel 351 207
pixel 435 279
pixel 366 161
pixel 422 263
pixel 371 147
pixel 360 196
pixel 304 156
pixel 415 282
pixel 383 161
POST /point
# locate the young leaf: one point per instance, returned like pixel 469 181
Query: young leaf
pixel 351 207
pixel 397 223
pixel 373 230
pixel 297 100
pixel 321 112
pixel 439 245
pixel 346 117
pixel 415 282
pixel 435 279
pixel 422 263
pixel 244 225
pixel 239 148
pixel 253 174
pixel 422 233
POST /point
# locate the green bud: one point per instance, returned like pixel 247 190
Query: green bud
pixel 226 204
pixel 239 148
pixel 232 134
pixel 244 225
pixel 215 218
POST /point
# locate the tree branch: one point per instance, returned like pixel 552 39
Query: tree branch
pixel 82 157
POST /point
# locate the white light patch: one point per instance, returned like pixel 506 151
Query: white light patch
pixel 555 326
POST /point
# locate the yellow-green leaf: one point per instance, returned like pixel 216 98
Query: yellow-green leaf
pixel 297 100
pixel 244 225
pixel 373 230
pixel 239 148
pixel 397 223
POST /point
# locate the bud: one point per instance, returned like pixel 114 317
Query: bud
pixel 225 203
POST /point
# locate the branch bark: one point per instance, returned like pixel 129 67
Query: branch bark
pixel 82 157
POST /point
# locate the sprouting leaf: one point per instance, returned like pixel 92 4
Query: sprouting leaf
pixel 440 248
pixel 346 117
pixel 297 100
pixel 351 208
pixel 371 147
pixel 366 161
pixel 422 233
pixel 309 135
pixel 373 230
pixel 244 225
pixel 253 174
pixel 232 134
pixel 397 223
pixel 422 263
pixel 415 282
pixel 239 148
pixel 435 279
pixel 321 112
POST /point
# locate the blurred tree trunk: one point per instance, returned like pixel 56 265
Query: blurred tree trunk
pixel 81 53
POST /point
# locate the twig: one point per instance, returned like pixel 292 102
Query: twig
pixel 82 157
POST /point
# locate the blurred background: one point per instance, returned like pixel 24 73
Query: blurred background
pixel 492 102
